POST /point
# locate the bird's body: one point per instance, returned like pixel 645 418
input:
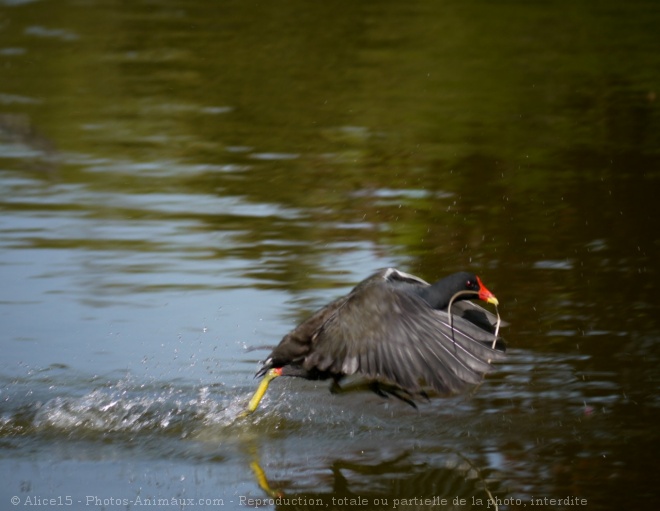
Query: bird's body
pixel 395 329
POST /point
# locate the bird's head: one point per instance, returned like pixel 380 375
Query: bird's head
pixel 472 283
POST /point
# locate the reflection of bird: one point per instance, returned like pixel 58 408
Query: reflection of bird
pixel 398 478
pixel 397 331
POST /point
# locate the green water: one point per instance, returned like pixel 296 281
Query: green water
pixel 181 182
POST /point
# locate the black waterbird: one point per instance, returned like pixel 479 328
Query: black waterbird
pixel 399 332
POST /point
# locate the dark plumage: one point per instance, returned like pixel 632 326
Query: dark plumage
pixel 394 329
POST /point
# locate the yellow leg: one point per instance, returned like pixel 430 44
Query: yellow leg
pixel 263 482
pixel 261 390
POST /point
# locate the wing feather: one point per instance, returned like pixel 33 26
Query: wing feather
pixel 389 334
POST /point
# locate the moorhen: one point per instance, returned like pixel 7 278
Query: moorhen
pixel 401 333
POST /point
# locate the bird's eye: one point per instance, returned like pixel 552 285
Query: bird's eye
pixel 471 284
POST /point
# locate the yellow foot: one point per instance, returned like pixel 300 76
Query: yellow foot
pixel 261 391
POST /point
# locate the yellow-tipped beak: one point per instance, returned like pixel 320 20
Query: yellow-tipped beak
pixel 261 391
pixel 486 295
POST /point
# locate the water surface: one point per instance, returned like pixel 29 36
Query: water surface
pixel 182 182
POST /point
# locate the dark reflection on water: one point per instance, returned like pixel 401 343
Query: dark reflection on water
pixel 182 182
pixel 539 428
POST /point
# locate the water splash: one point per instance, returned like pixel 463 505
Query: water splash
pixel 120 411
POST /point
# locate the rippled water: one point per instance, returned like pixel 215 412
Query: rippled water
pixel 182 182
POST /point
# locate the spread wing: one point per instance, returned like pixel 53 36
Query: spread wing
pixel 385 333
pixel 477 315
